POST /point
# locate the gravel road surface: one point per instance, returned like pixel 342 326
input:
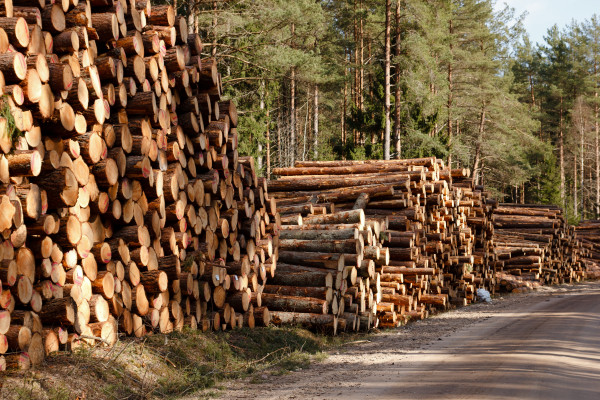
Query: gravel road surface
pixel 540 345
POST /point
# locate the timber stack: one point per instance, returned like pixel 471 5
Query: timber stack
pixel 534 245
pixel 587 234
pixel 421 237
pixel 124 205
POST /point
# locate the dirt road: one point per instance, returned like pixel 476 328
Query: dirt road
pixel 544 345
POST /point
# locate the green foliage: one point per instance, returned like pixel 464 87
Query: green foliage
pixel 461 64
pixel 12 131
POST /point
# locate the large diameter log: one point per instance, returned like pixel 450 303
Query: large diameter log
pixel 319 234
pixel 13 66
pixel 342 169
pixel 106 26
pixel 143 103
pixel 162 15
pixel 7 9
pixel 344 217
pixel 334 261
pixel 320 322
pixel 53 19
pixel 323 293
pixel 426 162
pixel 352 193
pixel 296 275
pixel 439 300
pixel 400 180
pixel 154 282
pixel 24 163
pixel 351 246
pixel 276 302
pixel 18 337
pixel 17 31
pixel 58 311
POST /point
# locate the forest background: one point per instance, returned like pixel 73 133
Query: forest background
pixel 455 79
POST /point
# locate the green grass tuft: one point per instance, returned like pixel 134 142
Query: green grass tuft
pixel 12 131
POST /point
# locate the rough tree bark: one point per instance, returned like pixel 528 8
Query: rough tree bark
pixel 397 93
pixel 293 109
pixel 386 143
pixel 316 123
pixel 450 88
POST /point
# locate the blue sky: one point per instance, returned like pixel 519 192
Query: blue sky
pixel 542 14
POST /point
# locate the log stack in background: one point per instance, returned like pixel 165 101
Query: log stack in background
pixel 587 234
pixel 426 242
pixel 430 238
pixel 534 246
pixel 124 205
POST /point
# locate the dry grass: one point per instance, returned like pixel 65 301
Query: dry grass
pixel 169 366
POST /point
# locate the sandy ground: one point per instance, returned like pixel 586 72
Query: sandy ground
pixel 540 345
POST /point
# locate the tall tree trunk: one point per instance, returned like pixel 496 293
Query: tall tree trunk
pixel 362 60
pixel 575 197
pixel 293 106
pixel 316 124
pixel 561 152
pixel 279 149
pixel 397 93
pixel 268 139
pixel 306 119
pixel 386 140
pixel 344 109
pixel 531 92
pixel 450 88
pixel 356 85
pixel 480 131
pixel 581 160
pixel 213 50
pixel 259 156
pixel 597 131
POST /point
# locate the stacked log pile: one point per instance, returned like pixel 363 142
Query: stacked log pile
pixel 426 242
pixel 534 245
pixel 124 205
pixel 475 208
pixel 587 234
